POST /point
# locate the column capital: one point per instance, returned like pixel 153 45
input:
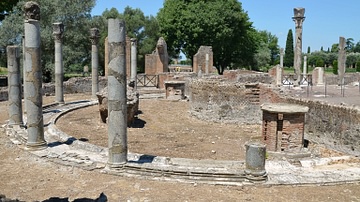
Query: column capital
pixel 299 17
pixel 94 36
pixel 32 11
pixel 58 30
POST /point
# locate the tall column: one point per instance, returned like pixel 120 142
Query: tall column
pixel 305 65
pixel 106 57
pixel 33 79
pixel 58 30
pixel 117 101
pixel 298 19
pixel 341 60
pixel 281 57
pixel 207 63
pixel 14 85
pixel 94 37
pixel 133 62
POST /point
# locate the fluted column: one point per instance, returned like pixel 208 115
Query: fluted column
pixel 58 30
pixel 117 101
pixel 14 85
pixel 33 79
pixel 94 37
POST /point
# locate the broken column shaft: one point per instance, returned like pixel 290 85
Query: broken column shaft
pixel 14 85
pixel 117 100
pixel 58 30
pixel 133 62
pixel 33 79
pixel 94 37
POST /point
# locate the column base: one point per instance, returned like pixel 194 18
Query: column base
pixel 36 146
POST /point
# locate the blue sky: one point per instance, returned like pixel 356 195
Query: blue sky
pixel 326 20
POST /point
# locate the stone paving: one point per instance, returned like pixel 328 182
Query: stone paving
pixel 69 151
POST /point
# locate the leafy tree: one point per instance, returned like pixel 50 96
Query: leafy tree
pixel 358 66
pixel 351 59
pixel 289 50
pixel 357 47
pixel 6 7
pixel 319 62
pixel 74 14
pixel 144 28
pixel 349 44
pixel 335 48
pixel 270 42
pixel 335 67
pixel 223 24
pixel 263 56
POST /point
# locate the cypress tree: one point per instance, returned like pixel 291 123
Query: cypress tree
pixel 308 51
pixel 289 50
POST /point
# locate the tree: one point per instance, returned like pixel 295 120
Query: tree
pixel 335 67
pixel 267 52
pixel 308 50
pixel 289 50
pixel 6 7
pixel 335 48
pixel 223 24
pixel 349 44
pixel 74 14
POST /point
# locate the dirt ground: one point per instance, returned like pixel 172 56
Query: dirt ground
pixel 170 133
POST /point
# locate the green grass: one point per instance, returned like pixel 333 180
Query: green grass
pixel 3 71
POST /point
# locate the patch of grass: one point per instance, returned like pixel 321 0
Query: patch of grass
pixel 3 71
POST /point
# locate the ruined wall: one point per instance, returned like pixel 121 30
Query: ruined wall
pixel 334 125
pixel 199 60
pixel 219 100
pixel 348 78
pixel 231 102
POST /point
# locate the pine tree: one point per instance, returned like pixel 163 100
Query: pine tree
pixel 308 51
pixel 289 50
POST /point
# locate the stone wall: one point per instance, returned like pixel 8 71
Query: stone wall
pixel 220 100
pixel 334 125
pixel 231 102
pixel 348 78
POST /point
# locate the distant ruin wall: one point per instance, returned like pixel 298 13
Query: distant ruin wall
pixel 218 100
pixel 230 102
pixel 333 125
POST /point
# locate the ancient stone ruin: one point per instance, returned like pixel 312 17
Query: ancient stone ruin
pixel 158 61
pixel 203 60
pixel 132 104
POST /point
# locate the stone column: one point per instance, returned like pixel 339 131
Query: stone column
pixel 58 30
pixel 94 37
pixel 305 65
pixel 279 71
pixel 117 100
pixel 14 85
pixel 255 159
pixel 298 19
pixel 33 79
pixel 281 57
pixel 106 57
pixel 133 62
pixel 207 63
pixel 341 60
